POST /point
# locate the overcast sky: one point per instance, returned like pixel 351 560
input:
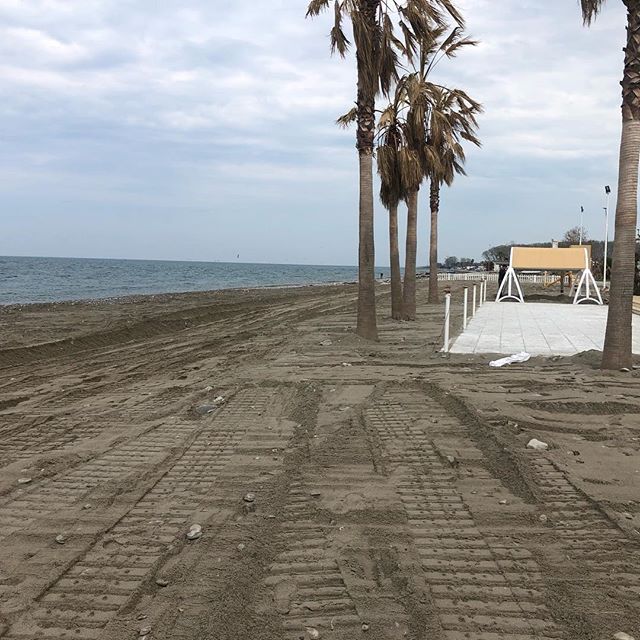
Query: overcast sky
pixel 203 129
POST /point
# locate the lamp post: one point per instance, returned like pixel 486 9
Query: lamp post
pixel 581 218
pixel 607 190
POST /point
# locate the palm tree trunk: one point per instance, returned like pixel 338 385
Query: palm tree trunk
pixel 409 289
pixel 366 324
pixel 394 253
pixel 433 242
pixel 618 338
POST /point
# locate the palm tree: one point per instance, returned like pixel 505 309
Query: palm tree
pixel 377 51
pixel 452 119
pixel 421 95
pixel 391 192
pixel 400 173
pixel 617 352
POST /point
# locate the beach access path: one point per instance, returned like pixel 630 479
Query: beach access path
pixel 342 489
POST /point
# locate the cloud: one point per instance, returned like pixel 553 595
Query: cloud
pixel 130 106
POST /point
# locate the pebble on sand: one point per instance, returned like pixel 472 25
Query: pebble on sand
pixel 312 632
pixel 194 532
pixel 161 582
pixel 249 497
pixel 621 635
pixel 538 445
pixel 24 480
pixel 60 539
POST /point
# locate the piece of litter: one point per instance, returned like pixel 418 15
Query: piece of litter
pixel 347 364
pixel 326 343
pixel 24 480
pixel 145 631
pixel 538 445
pixel 365 626
pixel 502 502
pixel 218 401
pixel 194 532
pixel 523 356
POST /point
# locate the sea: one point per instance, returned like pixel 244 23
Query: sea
pixel 26 280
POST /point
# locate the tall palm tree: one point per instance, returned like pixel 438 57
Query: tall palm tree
pixel 452 119
pixel 391 192
pixel 617 352
pixel 421 95
pixel 400 173
pixel 377 58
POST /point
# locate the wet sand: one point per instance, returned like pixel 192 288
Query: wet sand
pixel 394 493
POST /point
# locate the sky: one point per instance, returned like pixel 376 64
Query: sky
pixel 204 130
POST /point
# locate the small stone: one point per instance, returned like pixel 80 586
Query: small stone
pixel 161 582
pixel 315 493
pixel 208 389
pixel 538 445
pixel 60 539
pixel 194 532
pixel 312 633
pixel 249 497
pixel 204 409
pixel 543 518
pixel 326 343
pixel 87 506
pixel 142 616
pixel 219 401
pixel 502 502
pixel 452 461
pixel 621 635
pixel 24 480
pixel 628 516
pixel 145 631
pixel 347 364
pixel 365 626
pixel 241 547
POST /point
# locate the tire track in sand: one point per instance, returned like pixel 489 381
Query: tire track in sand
pixel 483 587
pixel 81 602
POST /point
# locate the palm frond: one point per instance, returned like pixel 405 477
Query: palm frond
pixel 348 118
pixel 316 7
pixel 590 10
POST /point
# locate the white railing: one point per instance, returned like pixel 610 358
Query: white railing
pixel 490 277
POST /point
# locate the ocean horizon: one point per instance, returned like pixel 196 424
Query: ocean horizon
pixel 26 280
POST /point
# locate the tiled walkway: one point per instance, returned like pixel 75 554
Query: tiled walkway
pixel 541 329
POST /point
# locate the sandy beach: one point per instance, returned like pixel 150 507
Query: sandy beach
pixel 343 488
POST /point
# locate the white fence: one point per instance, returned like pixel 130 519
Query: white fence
pixel 476 276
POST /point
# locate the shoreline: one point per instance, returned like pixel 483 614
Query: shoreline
pixel 141 297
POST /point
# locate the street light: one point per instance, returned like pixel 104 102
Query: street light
pixel 581 218
pixel 607 190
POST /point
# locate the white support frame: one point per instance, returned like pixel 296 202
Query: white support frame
pixel 587 281
pixel 510 280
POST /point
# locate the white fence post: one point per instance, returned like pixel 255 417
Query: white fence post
pixel 473 306
pixel 486 282
pixel 447 309
pixel 465 307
